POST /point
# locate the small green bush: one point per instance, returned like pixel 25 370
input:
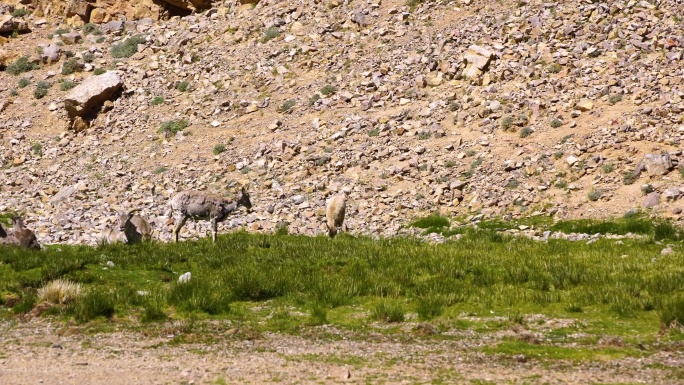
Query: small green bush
pixel 595 195
pixel 21 65
pixel 70 66
pixel 23 82
pixel 37 149
pixel 449 163
pixel 157 100
pixel 62 31
pixel 127 48
pixel 19 12
pixel 41 89
pixel 374 132
pixel 171 127
pixel 629 178
pixel 555 68
pixel 219 148
pixel 328 90
pixel 271 33
pixel 608 168
pixel 432 221
pixel 183 86
pixel 555 123
pixel 88 57
pixel 525 132
pixel 66 85
pixel 423 135
pixel 287 106
pixel 313 99
pixel 96 303
pixel 91 28
pixel 614 99
pixel 69 54
pixel 512 183
pixel 99 71
pixel 507 123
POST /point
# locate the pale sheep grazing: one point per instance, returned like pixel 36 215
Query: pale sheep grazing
pixel 131 228
pixel 334 214
pixel 24 237
pixel 200 205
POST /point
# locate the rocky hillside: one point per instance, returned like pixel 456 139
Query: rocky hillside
pixel 474 109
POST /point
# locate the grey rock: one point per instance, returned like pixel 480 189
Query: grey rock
pixel 11 24
pixel 657 164
pixel 91 92
pixel 651 200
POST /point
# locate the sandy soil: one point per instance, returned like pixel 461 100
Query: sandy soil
pixel 42 352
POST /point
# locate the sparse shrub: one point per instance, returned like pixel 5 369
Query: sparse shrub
pixel 66 85
pixel 328 90
pixel 157 100
pixel 69 66
pixel 127 48
pixel 219 148
pixel 507 123
pixel 449 163
pixel 561 184
pixel 69 54
pixel 476 163
pixel 525 132
pixel 23 82
pixel 62 31
pixel 629 178
pixel 19 12
pixel 595 195
pixel 454 106
pixel 555 123
pixel 41 89
pixel 374 132
pixel 646 188
pixel 388 311
pixel 470 153
pixel 21 65
pixel 287 106
pixel 614 99
pixel 99 71
pixel 171 127
pixel 160 169
pixel 95 303
pixel 557 155
pixel 271 33
pixel 555 68
pixel 512 183
pixel 681 170
pixel 313 99
pixel 423 135
pixel 88 57
pixel 608 168
pixel 100 39
pixel 59 292
pixel 91 28
pixel 37 149
pixel 14 92
pixel 183 86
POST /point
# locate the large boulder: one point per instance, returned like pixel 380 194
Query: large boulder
pixel 80 8
pixel 477 60
pixel 11 24
pixel 657 164
pixel 91 93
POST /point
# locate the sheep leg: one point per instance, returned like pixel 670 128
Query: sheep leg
pixel 180 223
pixel 214 227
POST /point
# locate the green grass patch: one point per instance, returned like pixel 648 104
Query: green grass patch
pixel 127 48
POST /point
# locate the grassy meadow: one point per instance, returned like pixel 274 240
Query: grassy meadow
pixel 485 282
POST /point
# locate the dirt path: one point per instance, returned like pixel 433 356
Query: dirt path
pixel 41 352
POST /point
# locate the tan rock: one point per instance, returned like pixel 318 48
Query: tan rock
pixel 98 15
pixel 585 105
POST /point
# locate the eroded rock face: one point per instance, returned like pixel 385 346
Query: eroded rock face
pixel 11 24
pixel 91 93
pixel 190 4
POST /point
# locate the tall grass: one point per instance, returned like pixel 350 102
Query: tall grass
pixel 484 269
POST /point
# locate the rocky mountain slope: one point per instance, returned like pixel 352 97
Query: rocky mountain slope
pixel 473 109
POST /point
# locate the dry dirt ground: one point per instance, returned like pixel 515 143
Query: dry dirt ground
pixel 43 352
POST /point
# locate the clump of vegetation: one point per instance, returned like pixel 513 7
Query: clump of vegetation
pixel 20 12
pixel 608 168
pixel 389 311
pixel 454 106
pixel 95 303
pixel 555 68
pixel 88 57
pixel 66 85
pixel 21 65
pixel 525 132
pixel 219 148
pixel 287 106
pixel 595 195
pixel 270 34
pixel 328 90
pixel 672 312
pixel 313 99
pixel 62 31
pixel 41 89
pixel 449 163
pixel 424 135
pixel 614 99
pixel 127 48
pixel 37 149
pixel 91 28
pixel 99 71
pixel 646 188
pixel 555 123
pixel 70 66
pixel 172 127
pixel 507 122
pixel 561 184
pixel 374 132
pixel 157 100
pixel 183 86
pixel 59 292
pixel 23 82
pixel 512 183
pixel 629 178
pixel 434 223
